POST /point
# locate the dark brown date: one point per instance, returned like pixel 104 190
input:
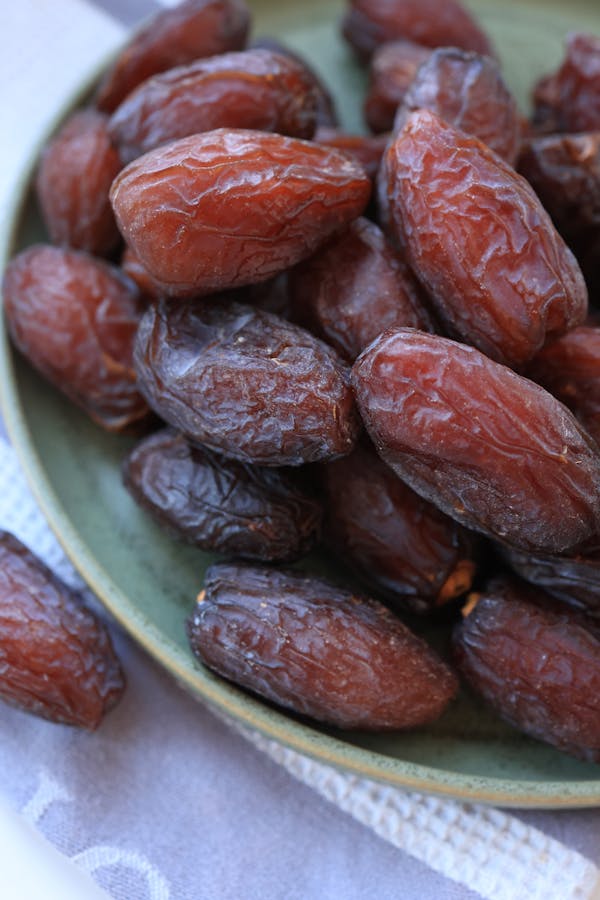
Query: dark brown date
pixel 255 89
pixel 76 171
pixel 393 67
pixel 354 288
pixel 499 275
pixel 490 448
pixel 174 37
pixel 467 91
pixel 433 23
pixel 245 383
pixel 56 658
pixel 75 318
pixel 229 208
pixel 539 668
pixel 219 505
pixel 569 99
pixel 317 649
pixel 366 151
pixel 398 543
pixel 572 579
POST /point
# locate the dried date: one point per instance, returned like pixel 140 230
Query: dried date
pixel 219 505
pixel 366 151
pixel 75 318
pixel 254 89
pixel 499 275
pixel 233 207
pixel 569 99
pixel 393 67
pixel 317 649
pixel 245 383
pixel 190 30
pixel 572 579
pixel 56 658
pixel 484 456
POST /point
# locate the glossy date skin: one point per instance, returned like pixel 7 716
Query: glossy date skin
pixel 499 275
pixel 432 23
pixel 174 37
pixel 366 150
pixel 75 318
pixel 467 91
pixel 393 67
pixel 569 99
pixel 245 383
pixel 74 177
pixel 56 658
pixel 219 505
pixel 317 649
pixel 399 544
pixel 354 288
pixel 254 89
pixel 232 207
pixel 486 457
pixel 572 579
pixel 538 667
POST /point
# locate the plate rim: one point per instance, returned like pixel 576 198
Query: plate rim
pixel 226 699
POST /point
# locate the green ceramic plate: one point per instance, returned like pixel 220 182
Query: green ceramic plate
pixel 149 583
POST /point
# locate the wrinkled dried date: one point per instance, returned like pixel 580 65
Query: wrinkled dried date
pixel 393 67
pixel 479 441
pixel 539 668
pixel 569 99
pixel 354 288
pixel 190 30
pixel 498 273
pixel 254 89
pixel 573 579
pixel 76 171
pixel 228 208
pixel 245 383
pixel 398 543
pixel 365 150
pixel 75 318
pixel 317 649
pixel 220 505
pixel 56 658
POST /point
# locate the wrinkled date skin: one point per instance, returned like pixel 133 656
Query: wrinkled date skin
pixel 76 171
pixel 498 273
pixel 538 667
pixel 366 150
pixel 392 70
pixel 467 91
pixel 245 383
pixel 569 99
pixel 254 89
pixel 191 30
pixel 317 649
pixel 233 207
pixel 354 288
pixel 220 505
pixel 433 23
pixel 56 658
pixel 75 318
pixel 573 579
pixel 490 448
pixel 398 543
pixel 570 369
pixel 149 288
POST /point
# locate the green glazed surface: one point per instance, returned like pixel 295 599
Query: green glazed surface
pixel 149 582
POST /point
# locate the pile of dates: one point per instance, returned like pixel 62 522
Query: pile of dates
pixel 377 345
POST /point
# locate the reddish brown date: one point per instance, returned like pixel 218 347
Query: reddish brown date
pixel 354 288
pixel 499 275
pixel 569 99
pixel 317 649
pixel 433 23
pixel 539 668
pixel 366 151
pixel 255 89
pixel 467 91
pixel 245 383
pixel 228 208
pixel 149 288
pixel 572 579
pixel 189 31
pixel 75 318
pixel 56 658
pixel 76 171
pixel 398 543
pixel 219 505
pixel 570 369
pixel 490 448
pixel 393 67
